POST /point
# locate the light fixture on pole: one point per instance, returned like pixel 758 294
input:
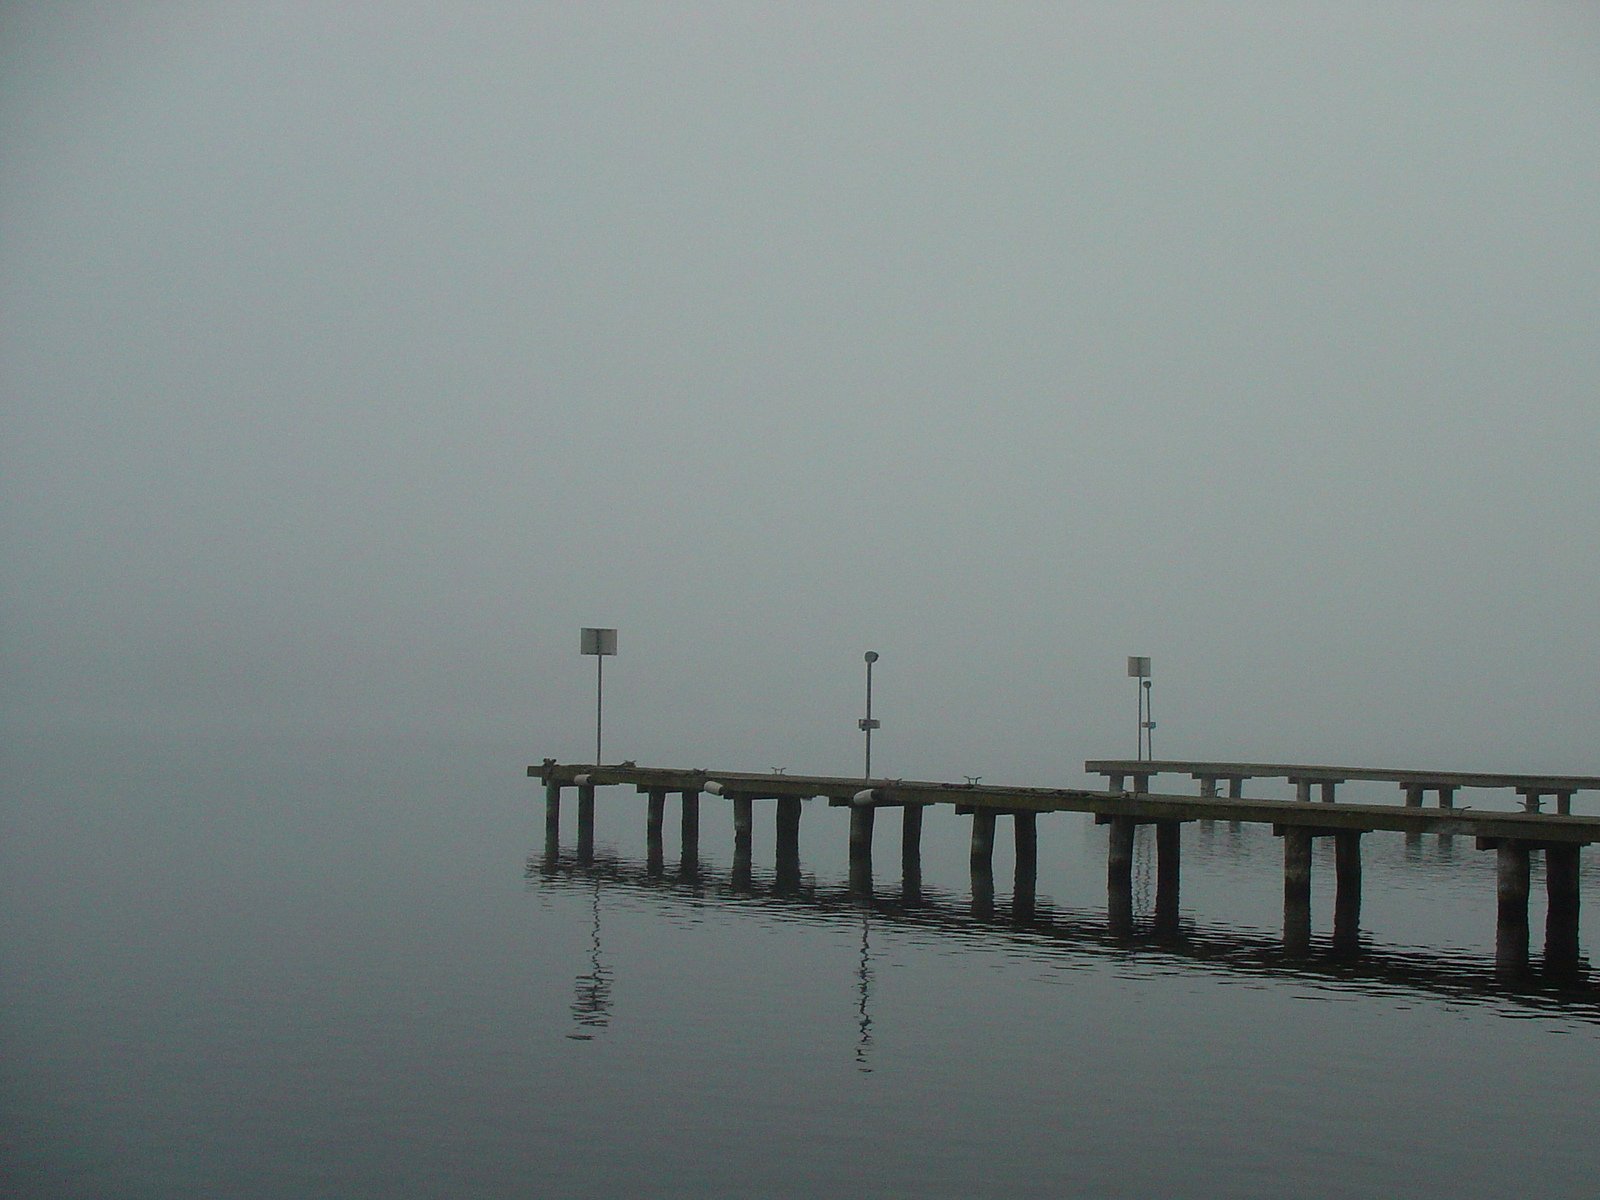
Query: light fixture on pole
pixel 599 642
pixel 1139 668
pixel 867 724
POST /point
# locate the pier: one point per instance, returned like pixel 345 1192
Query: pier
pixel 1512 835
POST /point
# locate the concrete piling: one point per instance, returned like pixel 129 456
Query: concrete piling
pixel 1169 846
pixel 1297 889
pixel 1347 890
pixel 1511 895
pixel 983 839
pixel 586 822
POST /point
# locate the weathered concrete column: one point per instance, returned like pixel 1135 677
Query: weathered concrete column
pixel 1114 783
pixel 655 817
pixel 862 818
pixel 1447 797
pixel 552 817
pixel 1511 894
pixel 911 850
pixel 1119 876
pixel 743 826
pixel 1564 803
pixel 1169 848
pixel 1296 889
pixel 1026 829
pixel 1141 783
pixel 1561 913
pixel 1208 785
pixel 1413 793
pixel 1531 799
pixel 1328 787
pixel 1302 790
pixel 1347 890
pixel 586 822
pixel 787 869
pixel 1236 789
pixel 983 839
pixel 689 857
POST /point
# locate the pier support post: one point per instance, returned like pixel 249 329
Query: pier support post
pixel 552 818
pixel 1119 876
pixel 788 844
pixel 655 817
pixel 586 823
pixel 1236 789
pixel 983 840
pixel 1328 786
pixel 1447 797
pixel 1347 890
pixel 1169 848
pixel 1561 914
pixel 1511 894
pixel 911 851
pixel 689 857
pixel 1302 790
pixel 1208 785
pixel 861 823
pixel 1024 879
pixel 743 826
pixel 1564 803
pixel 1296 889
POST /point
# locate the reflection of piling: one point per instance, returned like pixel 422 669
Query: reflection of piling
pixel 788 844
pixel 586 822
pixel 1169 848
pixel 911 851
pixel 1347 890
pixel 1296 889
pixel 1119 876
pixel 982 891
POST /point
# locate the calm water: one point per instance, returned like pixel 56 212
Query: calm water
pixel 291 970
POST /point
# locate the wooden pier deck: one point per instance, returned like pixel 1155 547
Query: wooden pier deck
pixel 1512 835
pixel 1414 784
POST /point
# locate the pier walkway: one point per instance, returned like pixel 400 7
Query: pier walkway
pixel 1514 836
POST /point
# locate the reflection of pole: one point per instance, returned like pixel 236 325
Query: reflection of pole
pixel 865 1042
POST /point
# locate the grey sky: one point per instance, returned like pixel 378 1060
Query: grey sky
pixel 354 356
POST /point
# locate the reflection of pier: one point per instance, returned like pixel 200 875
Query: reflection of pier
pixel 1513 835
pixel 1066 933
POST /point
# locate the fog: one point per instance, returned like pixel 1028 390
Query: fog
pixel 353 357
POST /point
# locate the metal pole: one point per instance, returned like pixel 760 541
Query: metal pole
pixel 599 696
pixel 1149 723
pixel 1138 729
pixel 868 774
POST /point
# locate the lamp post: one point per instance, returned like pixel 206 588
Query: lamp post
pixel 1139 668
pixel 598 642
pixel 867 724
